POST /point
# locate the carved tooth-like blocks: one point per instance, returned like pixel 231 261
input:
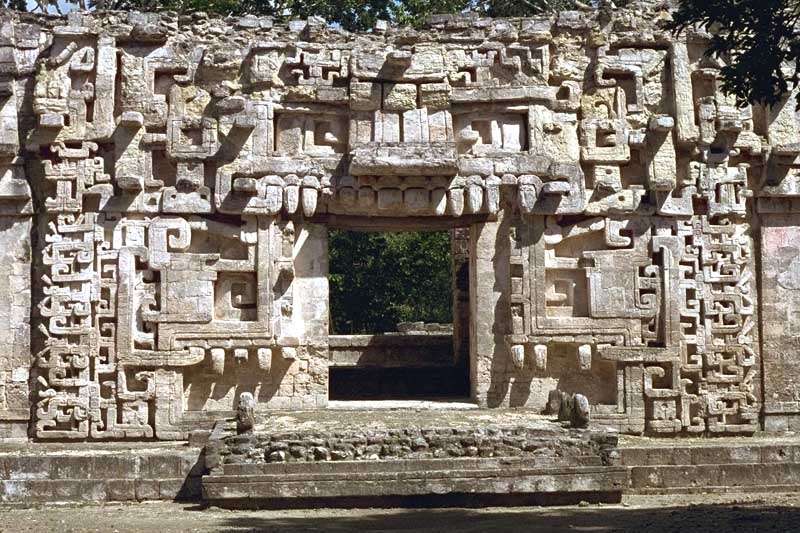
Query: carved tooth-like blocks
pixel 185 174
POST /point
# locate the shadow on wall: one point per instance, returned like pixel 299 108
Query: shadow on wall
pixel 500 365
pixel 205 390
pixel 529 386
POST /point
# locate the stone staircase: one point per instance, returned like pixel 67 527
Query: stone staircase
pixel 750 464
pixel 358 482
pixel 535 461
pixel 98 472
pixel 515 465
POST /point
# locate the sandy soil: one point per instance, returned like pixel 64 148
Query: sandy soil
pixel 719 513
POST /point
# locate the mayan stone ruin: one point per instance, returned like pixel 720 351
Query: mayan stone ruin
pixel 167 185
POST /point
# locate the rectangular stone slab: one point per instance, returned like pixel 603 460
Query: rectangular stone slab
pixel 347 479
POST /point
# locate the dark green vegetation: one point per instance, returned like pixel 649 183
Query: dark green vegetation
pixel 13 4
pixel 757 39
pixel 380 279
pixel 349 14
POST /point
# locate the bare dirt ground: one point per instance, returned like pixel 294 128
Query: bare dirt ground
pixel 716 513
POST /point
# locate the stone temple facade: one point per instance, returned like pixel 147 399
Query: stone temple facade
pixel 167 184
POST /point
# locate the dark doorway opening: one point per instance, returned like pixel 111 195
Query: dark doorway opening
pixel 393 298
pixel 405 383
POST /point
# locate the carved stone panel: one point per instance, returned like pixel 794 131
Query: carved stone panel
pixel 606 192
pixel 667 305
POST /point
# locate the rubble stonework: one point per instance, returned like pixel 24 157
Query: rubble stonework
pixel 535 441
pixel 173 254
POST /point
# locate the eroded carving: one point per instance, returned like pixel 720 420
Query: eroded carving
pixel 185 178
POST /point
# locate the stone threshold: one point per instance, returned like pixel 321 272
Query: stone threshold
pixel 378 405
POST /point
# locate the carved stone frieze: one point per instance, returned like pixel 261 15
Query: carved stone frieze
pixel 185 170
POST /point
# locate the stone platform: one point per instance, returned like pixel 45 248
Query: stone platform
pixel 426 453
pixel 761 463
pixel 327 456
pixel 38 473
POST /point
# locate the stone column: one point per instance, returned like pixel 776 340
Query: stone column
pixel 15 242
pixel 310 315
pixel 780 320
pixel 15 310
pixel 490 249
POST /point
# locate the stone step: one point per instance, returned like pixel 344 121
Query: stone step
pixel 710 454
pixel 28 491
pixel 745 465
pixel 96 473
pixel 748 477
pixel 453 458
pixel 599 483
pixel 354 468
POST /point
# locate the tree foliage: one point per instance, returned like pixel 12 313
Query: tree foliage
pixel 757 39
pixel 352 15
pixel 380 279
pixel 414 12
pixel 527 8
pixel 19 5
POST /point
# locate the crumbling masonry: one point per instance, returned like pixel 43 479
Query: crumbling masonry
pixel 167 184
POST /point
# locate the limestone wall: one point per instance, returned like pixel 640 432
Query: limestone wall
pixel 625 230
pixel 392 350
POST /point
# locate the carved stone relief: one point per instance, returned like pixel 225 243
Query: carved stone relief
pixel 185 172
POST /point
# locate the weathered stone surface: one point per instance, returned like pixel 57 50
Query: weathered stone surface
pixel 415 349
pixel 245 413
pixel 570 408
pixel 604 191
pixel 53 473
pixel 403 453
pixel 415 443
pixel 255 484
pixel 757 465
